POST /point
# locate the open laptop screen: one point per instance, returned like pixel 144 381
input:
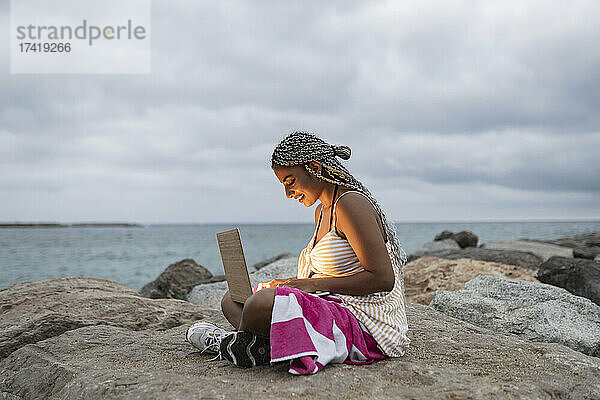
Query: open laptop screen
pixel 234 264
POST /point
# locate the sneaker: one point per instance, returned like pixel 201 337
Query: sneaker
pixel 206 336
pixel 245 349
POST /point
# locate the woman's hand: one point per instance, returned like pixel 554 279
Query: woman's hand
pixel 307 285
pixel 272 283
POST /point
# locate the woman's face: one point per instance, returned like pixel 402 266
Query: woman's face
pixel 299 184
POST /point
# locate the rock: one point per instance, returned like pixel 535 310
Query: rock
pixel 210 295
pixel 283 268
pixel 463 239
pixel 34 311
pixel 580 277
pixel 446 244
pixel 8 396
pixel 423 277
pixel 588 239
pixel 542 250
pixel 448 359
pixel 466 239
pixel 271 260
pixel 215 278
pixel 591 239
pixel 585 245
pixel 443 235
pixel 176 280
pixel 527 261
pixel 534 311
pixel 597 258
pixel 586 252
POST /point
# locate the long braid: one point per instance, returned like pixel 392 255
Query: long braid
pixel 302 147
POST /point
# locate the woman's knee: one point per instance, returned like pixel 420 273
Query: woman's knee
pixel 226 301
pixel 260 302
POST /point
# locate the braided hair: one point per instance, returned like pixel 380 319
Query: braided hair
pixel 300 148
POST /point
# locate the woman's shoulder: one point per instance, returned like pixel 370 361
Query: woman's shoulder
pixel 352 200
pixel 355 208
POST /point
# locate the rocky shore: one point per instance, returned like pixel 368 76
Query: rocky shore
pixel 482 325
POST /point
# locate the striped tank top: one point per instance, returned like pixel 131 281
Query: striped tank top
pixel 382 313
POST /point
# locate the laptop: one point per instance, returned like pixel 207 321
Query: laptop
pixel 234 264
pixel 236 271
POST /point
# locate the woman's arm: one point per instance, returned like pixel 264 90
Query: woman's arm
pixel 357 220
pixel 361 283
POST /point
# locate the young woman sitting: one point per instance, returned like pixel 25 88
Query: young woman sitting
pixel 346 303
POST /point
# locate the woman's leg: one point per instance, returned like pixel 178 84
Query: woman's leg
pixel 232 310
pixel 256 314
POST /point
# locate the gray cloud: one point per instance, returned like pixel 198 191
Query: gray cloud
pixel 513 159
pixel 489 98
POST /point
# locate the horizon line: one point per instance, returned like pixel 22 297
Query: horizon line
pixel 441 221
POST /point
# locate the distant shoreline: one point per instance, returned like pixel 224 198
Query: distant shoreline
pixel 77 225
pixel 180 224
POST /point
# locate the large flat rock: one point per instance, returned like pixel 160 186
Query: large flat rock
pixel 448 359
pixel 525 260
pixel 585 245
pixel 424 276
pixel 534 311
pixel 589 239
pixel 542 250
pixel 34 311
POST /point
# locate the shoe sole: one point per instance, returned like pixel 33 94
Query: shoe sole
pixel 246 350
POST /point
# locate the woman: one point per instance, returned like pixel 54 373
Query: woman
pixel 354 258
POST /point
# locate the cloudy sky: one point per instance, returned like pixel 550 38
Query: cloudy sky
pixel 454 110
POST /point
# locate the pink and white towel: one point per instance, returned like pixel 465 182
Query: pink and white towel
pixel 312 331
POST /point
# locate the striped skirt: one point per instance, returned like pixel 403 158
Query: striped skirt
pixel 312 331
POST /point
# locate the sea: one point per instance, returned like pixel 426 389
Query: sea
pixel 136 255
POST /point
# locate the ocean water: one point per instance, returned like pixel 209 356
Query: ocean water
pixel 135 256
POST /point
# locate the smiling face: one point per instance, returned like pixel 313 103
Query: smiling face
pixel 299 184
